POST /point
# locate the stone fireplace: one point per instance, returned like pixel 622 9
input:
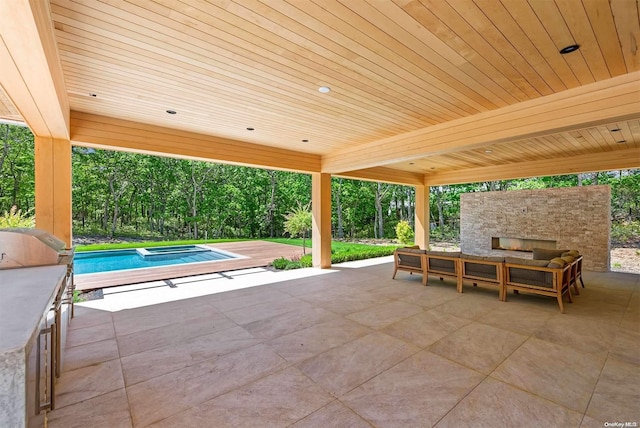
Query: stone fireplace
pixel 495 223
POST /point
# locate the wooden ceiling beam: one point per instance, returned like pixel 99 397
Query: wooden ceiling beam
pixel 89 130
pixel 605 101
pixel 619 159
pixel 30 69
pixel 387 175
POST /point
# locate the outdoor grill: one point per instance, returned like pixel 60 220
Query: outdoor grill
pixel 22 247
pixel 26 248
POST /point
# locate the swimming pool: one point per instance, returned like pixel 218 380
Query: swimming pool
pixel 137 258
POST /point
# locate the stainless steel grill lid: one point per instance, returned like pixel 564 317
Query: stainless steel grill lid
pixel 22 247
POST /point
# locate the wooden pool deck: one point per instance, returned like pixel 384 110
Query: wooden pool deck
pixel 256 254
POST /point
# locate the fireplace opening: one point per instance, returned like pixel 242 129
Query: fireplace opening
pixel 521 244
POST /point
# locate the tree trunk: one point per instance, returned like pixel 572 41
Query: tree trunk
pixel 379 216
pixel 272 205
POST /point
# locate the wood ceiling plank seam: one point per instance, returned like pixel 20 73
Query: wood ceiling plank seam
pixel 393 35
pixel 526 18
pixel 559 166
pixel 573 138
pixel 361 43
pixel 569 146
pixel 626 133
pixel 234 74
pixel 606 135
pixel 621 100
pixel 519 71
pixel 592 139
pixel 114 53
pixel 512 31
pixel 555 25
pixel 429 92
pixel 246 105
pixel 230 97
pixel 477 68
pixel 601 18
pixel 418 45
pixel 467 34
pixel 558 146
pixel 313 64
pixel 626 18
pixel 368 49
pixel 576 19
pixel 605 99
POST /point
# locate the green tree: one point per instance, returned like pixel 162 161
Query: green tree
pixel 298 223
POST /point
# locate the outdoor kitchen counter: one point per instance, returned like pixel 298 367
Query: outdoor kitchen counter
pixel 26 295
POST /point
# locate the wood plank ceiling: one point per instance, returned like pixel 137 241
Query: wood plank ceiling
pixel 394 67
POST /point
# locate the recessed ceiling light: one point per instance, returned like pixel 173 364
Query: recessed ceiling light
pixel 488 151
pixel 621 141
pixel 412 163
pixel 91 94
pixel 250 129
pixel 324 89
pixel 615 130
pixel 305 141
pixel 568 49
pixel 171 111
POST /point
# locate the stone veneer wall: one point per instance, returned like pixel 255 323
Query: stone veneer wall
pixel 575 217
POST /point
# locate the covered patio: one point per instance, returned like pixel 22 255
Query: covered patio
pixel 351 347
pixel 409 92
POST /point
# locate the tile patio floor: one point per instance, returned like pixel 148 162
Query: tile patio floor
pixel 350 347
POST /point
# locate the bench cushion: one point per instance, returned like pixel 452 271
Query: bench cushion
pixel 546 254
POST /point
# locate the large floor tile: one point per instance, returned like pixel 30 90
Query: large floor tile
pixel 265 310
pixel 345 367
pixel 354 302
pixel 88 382
pixel 425 328
pixel 496 404
pixel 88 317
pixel 154 316
pixel 277 400
pixel 110 410
pixel 382 315
pixel 617 393
pixel 478 346
pixel 247 297
pixel 517 318
pixel 177 332
pixel 90 354
pixel 174 392
pixel 288 322
pixel 417 392
pixel 314 340
pixel 575 332
pixel 155 362
pixel 557 373
pixel 626 345
pixel 95 333
pixel 334 414
pixel 469 306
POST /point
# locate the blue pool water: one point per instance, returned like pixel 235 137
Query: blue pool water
pixel 105 261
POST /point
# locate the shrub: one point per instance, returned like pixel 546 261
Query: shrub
pixel 280 263
pixel 306 261
pixel 16 218
pixel 404 233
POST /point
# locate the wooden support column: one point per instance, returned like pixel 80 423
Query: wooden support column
pixel 53 186
pixel 321 211
pixel 422 217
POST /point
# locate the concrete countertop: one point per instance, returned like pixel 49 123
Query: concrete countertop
pixel 25 295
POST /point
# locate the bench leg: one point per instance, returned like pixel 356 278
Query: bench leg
pixel 560 303
pixel 581 281
pixel 394 273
